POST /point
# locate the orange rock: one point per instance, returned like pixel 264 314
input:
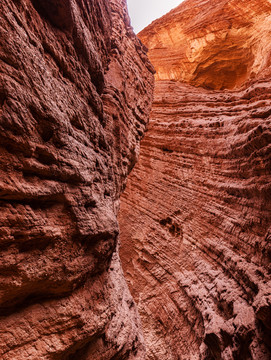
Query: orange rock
pixel 218 44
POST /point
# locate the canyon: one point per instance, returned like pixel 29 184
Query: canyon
pixel 75 94
pixel 178 266
pixel 195 217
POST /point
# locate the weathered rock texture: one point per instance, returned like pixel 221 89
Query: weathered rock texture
pixel 196 214
pixel 75 93
pixel 216 44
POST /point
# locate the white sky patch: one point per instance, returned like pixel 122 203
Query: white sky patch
pixel 143 12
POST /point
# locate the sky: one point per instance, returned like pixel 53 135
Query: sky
pixel 143 12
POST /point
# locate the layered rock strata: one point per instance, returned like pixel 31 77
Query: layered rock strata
pixel 75 94
pixel 195 217
pixel 215 44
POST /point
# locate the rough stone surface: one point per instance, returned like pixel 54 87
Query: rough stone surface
pixel 195 217
pixel 75 94
pixel 217 44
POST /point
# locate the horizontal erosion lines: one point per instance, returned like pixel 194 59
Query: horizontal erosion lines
pixel 142 208
pixel 177 193
pixel 195 112
pixel 210 228
pixel 189 172
pixel 238 143
pixel 230 267
pixel 222 102
pixel 201 111
pixel 186 158
pixel 176 170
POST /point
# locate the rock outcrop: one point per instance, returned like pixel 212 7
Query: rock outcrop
pixel 195 217
pixel 75 94
pixel 215 44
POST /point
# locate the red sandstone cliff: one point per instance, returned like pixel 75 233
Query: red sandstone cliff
pixel 215 44
pixel 75 94
pixel 195 217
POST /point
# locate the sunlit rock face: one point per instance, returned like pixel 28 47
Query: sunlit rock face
pixel 195 217
pixel 75 94
pixel 215 44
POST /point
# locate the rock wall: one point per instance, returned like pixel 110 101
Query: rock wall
pixel 215 44
pixel 195 217
pixel 75 94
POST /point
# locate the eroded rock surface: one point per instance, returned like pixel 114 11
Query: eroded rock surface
pixel 215 44
pixel 75 94
pixel 195 217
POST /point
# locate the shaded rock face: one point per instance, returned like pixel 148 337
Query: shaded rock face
pixel 215 44
pixel 195 217
pixel 75 94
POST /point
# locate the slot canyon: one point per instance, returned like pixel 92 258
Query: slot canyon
pixel 135 181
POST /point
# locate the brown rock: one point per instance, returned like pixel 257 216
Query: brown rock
pixel 195 217
pixel 75 93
